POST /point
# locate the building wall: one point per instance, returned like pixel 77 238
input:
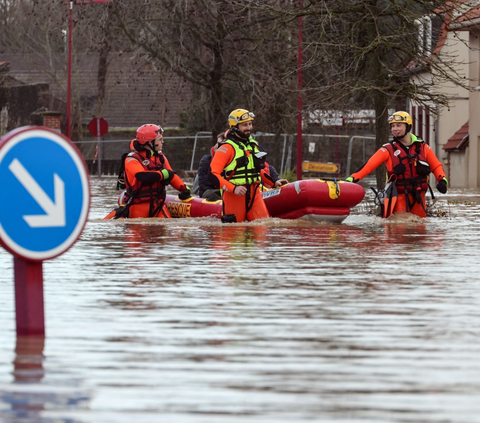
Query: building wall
pixel 474 113
pixel 451 118
pixel 136 93
pixel 459 163
pixel 439 123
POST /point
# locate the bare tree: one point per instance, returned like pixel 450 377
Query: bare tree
pixel 215 44
pixel 243 53
pixel 369 51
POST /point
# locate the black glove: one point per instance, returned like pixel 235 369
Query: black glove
pixel 184 195
pixel 442 186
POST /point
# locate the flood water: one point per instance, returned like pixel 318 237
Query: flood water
pixel 189 320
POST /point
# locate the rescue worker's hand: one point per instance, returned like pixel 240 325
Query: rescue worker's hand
pixel 184 195
pixel 349 179
pixel 239 190
pixel 167 176
pixel 442 185
pixel 280 182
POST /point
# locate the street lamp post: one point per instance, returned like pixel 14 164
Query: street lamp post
pixel 69 66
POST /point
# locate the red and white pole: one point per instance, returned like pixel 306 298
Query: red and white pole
pixel 69 74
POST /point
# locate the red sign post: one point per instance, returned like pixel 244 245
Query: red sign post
pixel 299 97
pixel 29 297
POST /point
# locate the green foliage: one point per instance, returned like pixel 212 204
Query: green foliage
pixel 290 175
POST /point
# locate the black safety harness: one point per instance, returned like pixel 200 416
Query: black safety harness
pixel 416 169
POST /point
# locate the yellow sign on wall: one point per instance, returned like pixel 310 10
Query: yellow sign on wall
pixel 320 167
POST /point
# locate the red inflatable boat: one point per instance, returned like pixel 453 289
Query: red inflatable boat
pixel 311 198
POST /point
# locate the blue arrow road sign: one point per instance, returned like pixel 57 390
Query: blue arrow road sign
pixel 45 195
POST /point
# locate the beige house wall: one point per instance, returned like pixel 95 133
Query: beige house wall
pixel 452 118
pixel 445 121
pixel 459 163
pixel 474 113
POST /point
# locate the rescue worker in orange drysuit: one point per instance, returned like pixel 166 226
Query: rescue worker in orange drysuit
pixel 239 167
pixel 147 172
pixel 409 161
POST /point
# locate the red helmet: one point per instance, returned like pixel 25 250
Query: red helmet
pixel 148 133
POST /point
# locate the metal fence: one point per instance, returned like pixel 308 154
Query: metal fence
pixel 185 153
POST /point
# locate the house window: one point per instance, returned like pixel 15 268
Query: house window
pixel 429 31
pixel 424 35
pixel 421 122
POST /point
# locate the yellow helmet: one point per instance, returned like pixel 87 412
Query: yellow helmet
pixel 239 116
pixel 401 117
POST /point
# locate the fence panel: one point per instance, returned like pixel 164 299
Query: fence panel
pixel 185 153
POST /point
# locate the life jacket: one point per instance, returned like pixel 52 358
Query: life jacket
pixel 410 170
pixel 155 193
pixel 245 167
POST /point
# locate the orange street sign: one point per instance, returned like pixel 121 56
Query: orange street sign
pixel 320 167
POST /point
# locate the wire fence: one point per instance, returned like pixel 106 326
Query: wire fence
pixel 349 152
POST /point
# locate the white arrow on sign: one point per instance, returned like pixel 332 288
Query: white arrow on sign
pixel 55 212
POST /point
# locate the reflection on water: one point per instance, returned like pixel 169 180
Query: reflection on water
pixel 194 321
pixel 29 395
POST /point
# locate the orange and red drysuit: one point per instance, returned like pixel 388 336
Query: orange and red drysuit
pixel 233 166
pixel 147 199
pixel 409 167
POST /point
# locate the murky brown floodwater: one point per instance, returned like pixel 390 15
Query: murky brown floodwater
pixel 195 321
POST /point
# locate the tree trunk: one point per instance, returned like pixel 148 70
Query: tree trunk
pixel 218 119
pixel 381 131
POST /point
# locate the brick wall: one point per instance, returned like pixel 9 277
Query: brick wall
pixel 52 120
